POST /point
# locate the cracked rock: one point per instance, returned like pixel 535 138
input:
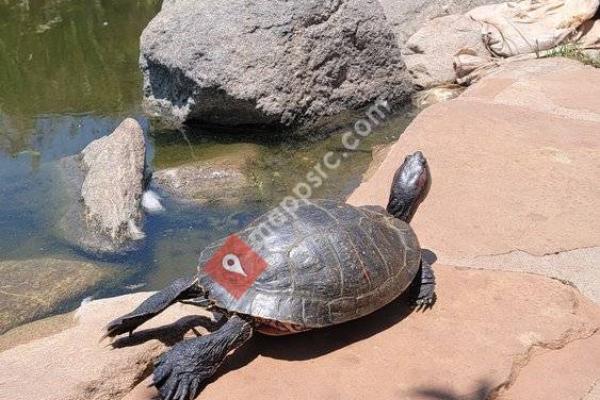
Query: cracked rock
pixel 566 371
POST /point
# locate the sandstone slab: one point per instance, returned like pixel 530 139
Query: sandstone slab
pixel 481 336
pixel 506 177
pixel 514 165
pixel 83 368
pixel 290 64
pixel 101 189
pixel 558 86
pixel 35 330
pixel 32 289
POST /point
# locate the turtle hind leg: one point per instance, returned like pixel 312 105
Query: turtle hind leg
pixel 180 289
pixel 426 286
pixel 181 372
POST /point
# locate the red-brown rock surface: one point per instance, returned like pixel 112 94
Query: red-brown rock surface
pixel 484 333
pixel 515 166
pixel 481 334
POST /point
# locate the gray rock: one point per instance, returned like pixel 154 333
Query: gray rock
pixel 408 16
pixel 429 53
pixel 287 64
pixel 102 189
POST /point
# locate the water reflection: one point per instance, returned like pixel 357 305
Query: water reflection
pixel 59 56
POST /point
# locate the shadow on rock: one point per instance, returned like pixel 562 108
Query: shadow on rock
pixel 169 334
pixel 319 342
pixel 482 392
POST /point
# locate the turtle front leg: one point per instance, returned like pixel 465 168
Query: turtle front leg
pixel 178 290
pixel 180 372
pixel 426 296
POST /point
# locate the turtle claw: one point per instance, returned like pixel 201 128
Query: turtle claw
pixel 424 304
pixel 177 375
pixel 180 372
pixel 426 288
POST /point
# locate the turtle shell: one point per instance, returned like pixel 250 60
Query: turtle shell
pixel 328 264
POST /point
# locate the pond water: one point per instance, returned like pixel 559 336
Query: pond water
pixel 69 75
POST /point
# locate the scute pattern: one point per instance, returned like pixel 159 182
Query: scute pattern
pixel 333 263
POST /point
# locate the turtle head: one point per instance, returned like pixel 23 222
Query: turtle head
pixel 410 187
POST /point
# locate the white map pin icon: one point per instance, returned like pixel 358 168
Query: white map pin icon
pixel 232 263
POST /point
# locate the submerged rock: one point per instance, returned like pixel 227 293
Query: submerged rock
pixel 378 154
pixel 103 188
pixel 226 178
pixel 287 64
pixel 31 289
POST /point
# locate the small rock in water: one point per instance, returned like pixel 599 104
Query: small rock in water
pixel 48 25
pixel 224 178
pixel 95 208
pixel 151 202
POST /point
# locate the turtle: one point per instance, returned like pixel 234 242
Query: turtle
pixel 329 263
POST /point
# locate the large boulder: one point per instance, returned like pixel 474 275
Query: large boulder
pixel 101 190
pixel 34 288
pixel 287 64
